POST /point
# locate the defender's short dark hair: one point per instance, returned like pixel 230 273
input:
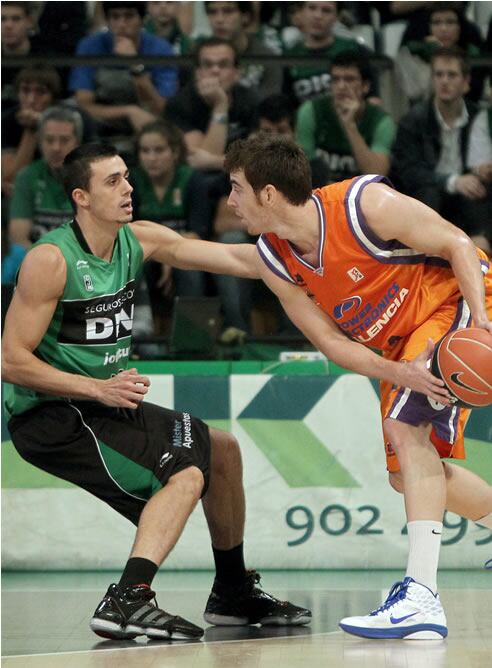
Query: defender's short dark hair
pixel 268 159
pixel 76 170
pixel 139 7
pixel 355 59
pixel 452 52
pixel 215 41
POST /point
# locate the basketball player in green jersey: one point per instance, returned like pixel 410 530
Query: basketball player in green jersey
pixel 76 411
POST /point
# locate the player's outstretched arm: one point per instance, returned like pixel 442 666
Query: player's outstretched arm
pixel 164 245
pixel 392 215
pixel 40 286
pixel 328 339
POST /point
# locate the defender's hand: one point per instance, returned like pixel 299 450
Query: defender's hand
pixel 125 390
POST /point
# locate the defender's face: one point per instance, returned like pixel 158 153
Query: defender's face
pixel 109 195
pixel 245 204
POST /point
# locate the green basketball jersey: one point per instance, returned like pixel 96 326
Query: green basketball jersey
pixel 90 332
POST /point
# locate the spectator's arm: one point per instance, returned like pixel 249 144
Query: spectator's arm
pixel 14 160
pixel 22 209
pixel 305 129
pixel 106 112
pixel 147 94
pixel 374 159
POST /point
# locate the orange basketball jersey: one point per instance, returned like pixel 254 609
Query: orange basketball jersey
pixel 376 291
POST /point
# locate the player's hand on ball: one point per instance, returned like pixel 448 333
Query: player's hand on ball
pixel 417 377
pixel 125 390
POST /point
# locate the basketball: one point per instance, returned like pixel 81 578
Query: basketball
pixel 463 359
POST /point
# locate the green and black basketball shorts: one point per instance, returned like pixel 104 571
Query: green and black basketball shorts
pixel 122 456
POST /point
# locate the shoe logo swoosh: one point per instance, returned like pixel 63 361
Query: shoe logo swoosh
pixel 395 620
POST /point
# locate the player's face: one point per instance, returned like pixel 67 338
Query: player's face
pixel 124 23
pixel 225 19
pixel 448 80
pixel 245 204
pixel 318 18
pixel 15 26
pixel 347 83
pixel 162 12
pixel 445 27
pixel 57 139
pixel 155 155
pixel 109 195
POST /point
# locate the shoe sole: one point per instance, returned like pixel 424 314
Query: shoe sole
pixel 224 620
pixel 114 631
pixel 417 632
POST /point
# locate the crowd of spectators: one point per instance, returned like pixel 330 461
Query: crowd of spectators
pixel 173 124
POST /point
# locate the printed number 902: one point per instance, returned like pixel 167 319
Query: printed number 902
pixel 334 520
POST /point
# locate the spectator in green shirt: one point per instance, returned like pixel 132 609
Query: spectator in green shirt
pixel 349 133
pixel 39 202
pixel 169 192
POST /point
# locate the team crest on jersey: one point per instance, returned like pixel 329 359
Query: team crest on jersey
pixel 88 283
pixel 355 274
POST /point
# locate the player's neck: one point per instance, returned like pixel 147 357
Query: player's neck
pixel 100 237
pixel 300 225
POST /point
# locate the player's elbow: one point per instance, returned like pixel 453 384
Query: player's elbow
pixel 8 364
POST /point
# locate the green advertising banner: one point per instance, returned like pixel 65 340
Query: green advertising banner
pixel 314 473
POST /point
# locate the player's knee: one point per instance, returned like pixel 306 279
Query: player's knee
pixel 190 482
pixel 226 453
pixel 396 481
pixel 396 434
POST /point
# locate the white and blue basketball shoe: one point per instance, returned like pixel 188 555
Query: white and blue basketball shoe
pixel 411 611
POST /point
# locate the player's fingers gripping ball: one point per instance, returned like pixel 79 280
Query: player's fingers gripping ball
pixel 463 359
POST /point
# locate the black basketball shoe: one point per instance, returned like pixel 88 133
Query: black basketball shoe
pixel 246 604
pixel 132 611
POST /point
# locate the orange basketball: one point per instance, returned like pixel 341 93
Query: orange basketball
pixel 463 359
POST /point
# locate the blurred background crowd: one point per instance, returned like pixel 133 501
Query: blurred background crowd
pixel 395 88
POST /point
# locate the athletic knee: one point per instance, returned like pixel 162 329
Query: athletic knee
pixel 226 453
pixel 396 481
pixel 190 482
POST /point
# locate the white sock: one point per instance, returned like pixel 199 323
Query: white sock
pixel 485 521
pixel 424 538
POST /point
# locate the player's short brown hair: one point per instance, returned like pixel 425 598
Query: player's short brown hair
pixel 275 160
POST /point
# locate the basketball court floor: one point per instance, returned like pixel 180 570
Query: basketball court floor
pixel 45 624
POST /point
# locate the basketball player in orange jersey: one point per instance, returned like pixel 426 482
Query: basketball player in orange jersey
pixel 357 266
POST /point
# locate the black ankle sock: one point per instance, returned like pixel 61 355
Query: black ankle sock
pixel 138 571
pixel 229 565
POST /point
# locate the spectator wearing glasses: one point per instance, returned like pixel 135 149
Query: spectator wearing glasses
pixel 213 110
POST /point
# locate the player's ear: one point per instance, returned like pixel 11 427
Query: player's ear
pixel 80 197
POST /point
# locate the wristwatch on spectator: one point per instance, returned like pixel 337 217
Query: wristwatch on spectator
pixel 137 70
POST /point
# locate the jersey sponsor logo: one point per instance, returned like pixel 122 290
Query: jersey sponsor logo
pixel 104 319
pixel 182 432
pixel 114 358
pixel 347 305
pixel 82 264
pixel 340 164
pixel 355 274
pixel 306 87
pixel 369 319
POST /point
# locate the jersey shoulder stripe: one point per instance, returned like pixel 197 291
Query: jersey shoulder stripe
pixel 272 259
